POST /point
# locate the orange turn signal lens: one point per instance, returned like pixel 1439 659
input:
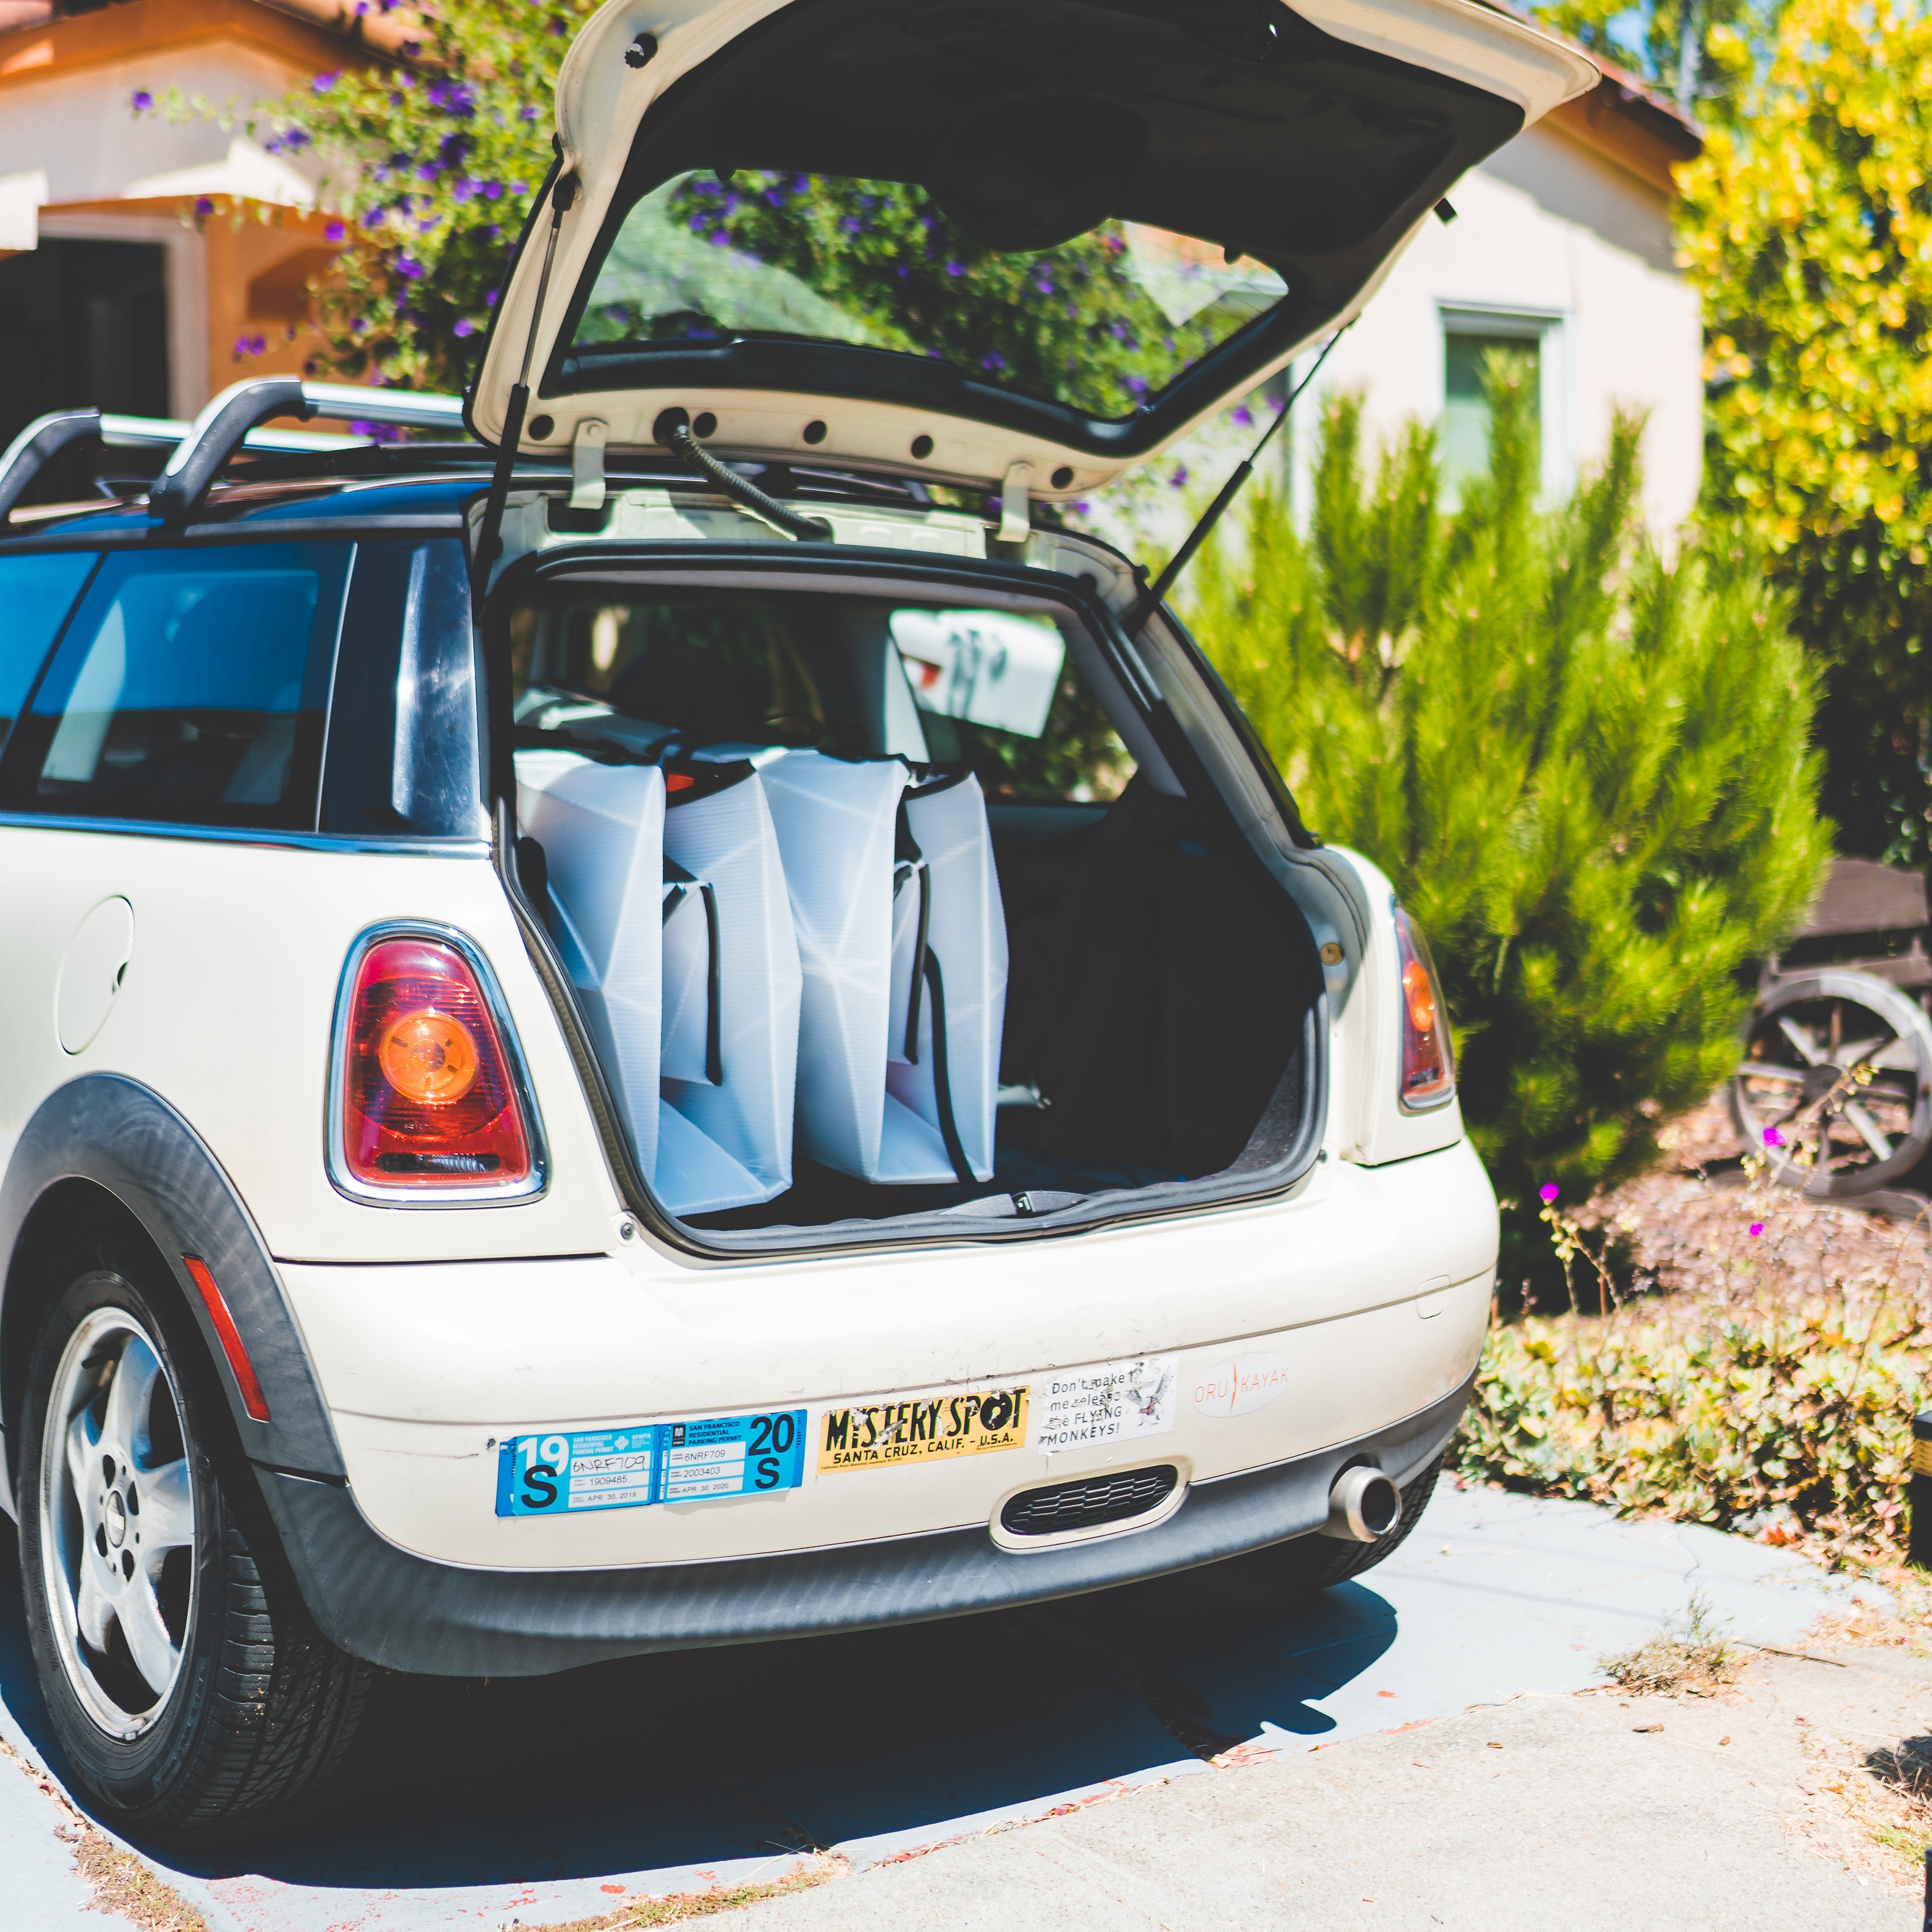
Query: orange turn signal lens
pixel 1419 994
pixel 1428 1077
pixel 429 1058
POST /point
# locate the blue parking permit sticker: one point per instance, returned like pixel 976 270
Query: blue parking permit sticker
pixel 651 1462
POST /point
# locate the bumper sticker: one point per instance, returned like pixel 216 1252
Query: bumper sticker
pixel 1241 1386
pixel 557 1475
pixel 922 1428
pixel 1111 1401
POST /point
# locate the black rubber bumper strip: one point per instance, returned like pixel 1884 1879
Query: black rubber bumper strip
pixel 440 1619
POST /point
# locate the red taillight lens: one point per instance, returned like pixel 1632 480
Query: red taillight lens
pixel 427 1101
pixel 1428 1059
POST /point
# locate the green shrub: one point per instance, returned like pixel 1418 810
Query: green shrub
pixel 1798 1421
pixel 1586 768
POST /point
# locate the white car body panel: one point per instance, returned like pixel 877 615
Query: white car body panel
pixel 427 1369
pixel 600 101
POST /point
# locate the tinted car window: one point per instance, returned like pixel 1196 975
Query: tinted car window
pixel 36 593
pixel 190 686
pixel 403 740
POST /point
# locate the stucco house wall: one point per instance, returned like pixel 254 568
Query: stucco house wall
pixel 1559 241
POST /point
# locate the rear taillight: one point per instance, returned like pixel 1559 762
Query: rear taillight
pixel 1428 1059
pixel 426 1099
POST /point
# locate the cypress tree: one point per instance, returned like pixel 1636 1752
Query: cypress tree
pixel 1585 767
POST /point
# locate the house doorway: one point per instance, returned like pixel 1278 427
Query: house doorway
pixel 83 324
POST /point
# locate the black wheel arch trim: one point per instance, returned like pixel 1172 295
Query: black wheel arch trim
pixel 410 1612
pixel 126 1140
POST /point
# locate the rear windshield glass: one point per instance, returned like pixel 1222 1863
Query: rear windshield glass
pixel 1098 323
pixel 999 692
pixel 190 686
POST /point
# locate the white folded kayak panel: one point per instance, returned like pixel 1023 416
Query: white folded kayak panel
pixel 675 927
pixel 726 840
pixel 882 1093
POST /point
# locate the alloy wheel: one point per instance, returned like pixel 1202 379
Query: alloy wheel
pixel 117 1553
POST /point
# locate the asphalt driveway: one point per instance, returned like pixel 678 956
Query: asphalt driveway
pixel 538 1801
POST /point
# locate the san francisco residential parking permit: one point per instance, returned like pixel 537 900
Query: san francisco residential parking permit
pixel 651 1462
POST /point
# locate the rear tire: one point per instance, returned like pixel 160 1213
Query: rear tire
pixel 1284 1573
pixel 185 1682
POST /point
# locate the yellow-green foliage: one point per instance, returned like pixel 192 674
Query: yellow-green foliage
pixel 1585 769
pixel 1798 1418
pixel 1807 227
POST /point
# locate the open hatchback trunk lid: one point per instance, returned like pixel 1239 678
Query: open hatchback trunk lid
pixel 979 241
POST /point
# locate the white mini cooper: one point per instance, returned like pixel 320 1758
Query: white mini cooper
pixel 678 1018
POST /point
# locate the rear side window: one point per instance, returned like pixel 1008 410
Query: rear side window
pixel 190 687
pixel 36 593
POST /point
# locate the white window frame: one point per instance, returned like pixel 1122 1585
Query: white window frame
pixel 1549 330
pixel 186 290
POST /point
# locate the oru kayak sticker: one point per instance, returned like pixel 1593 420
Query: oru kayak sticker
pixel 921 1429
pixel 649 1462
pixel 1235 1388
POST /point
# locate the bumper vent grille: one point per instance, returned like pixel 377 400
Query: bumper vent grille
pixel 1092 1501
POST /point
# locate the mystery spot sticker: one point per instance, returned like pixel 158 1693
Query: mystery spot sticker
pixel 921 1429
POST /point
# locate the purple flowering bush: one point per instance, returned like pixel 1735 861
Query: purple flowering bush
pixel 430 164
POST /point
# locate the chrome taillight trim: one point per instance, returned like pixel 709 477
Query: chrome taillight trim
pixel 450 1194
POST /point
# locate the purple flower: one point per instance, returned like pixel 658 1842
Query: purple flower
pixel 409 268
pixel 334 232
pixel 203 205
pixel 1772 1138
pixel 464 326
pixel 143 100
pixel 322 82
pixel 1136 386
pixel 1045 287
pixel 995 361
pixel 1178 480
pixel 1244 415
pixel 1548 1192
pixel 1757 1228
pixel 489 298
pixel 493 191
pixel 720 240
pixel 358 327
pixel 527 114
pixel 954 268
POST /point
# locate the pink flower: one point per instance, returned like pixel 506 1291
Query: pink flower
pixel 1772 1138
pixel 1548 1191
pixel 1757 1228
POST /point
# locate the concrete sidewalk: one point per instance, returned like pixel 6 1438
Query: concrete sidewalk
pixel 546 1801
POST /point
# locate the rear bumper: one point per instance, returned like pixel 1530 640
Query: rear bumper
pixel 409 1613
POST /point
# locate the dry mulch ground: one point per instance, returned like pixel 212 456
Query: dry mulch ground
pixel 1686 1225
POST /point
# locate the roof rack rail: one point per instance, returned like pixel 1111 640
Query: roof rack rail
pixel 45 436
pixel 224 423
pixel 228 423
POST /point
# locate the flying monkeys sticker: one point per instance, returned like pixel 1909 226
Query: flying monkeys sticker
pixel 920 1429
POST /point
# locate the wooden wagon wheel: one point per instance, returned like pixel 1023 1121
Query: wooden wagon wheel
pixel 1843 1058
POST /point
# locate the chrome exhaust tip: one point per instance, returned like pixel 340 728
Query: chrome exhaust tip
pixel 1364 1506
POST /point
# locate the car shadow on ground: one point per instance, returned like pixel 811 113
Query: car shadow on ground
pixel 695 1757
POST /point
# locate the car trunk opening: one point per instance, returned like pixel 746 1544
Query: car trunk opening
pixel 886 901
